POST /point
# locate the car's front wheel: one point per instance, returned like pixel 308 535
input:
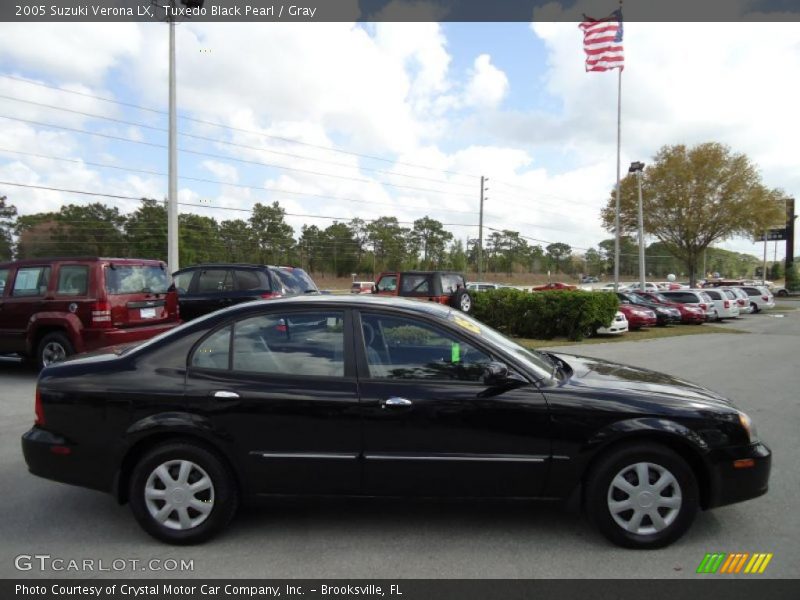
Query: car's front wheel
pixel 182 493
pixel 642 496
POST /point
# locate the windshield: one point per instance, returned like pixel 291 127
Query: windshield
pixel 136 279
pixel 540 364
pixel 294 281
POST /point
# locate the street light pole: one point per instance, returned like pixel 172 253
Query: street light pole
pixel 638 167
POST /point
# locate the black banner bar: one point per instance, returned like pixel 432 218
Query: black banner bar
pixel 391 10
pixel 745 587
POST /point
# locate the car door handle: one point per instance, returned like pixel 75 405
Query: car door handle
pixel 395 402
pixel 225 394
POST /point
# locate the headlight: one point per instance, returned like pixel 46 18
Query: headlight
pixel 747 423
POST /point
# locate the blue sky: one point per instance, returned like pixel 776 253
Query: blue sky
pixel 441 104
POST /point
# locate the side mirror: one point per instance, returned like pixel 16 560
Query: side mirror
pixel 495 373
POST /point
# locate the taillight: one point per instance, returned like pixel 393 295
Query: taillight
pixel 268 295
pixel 703 306
pixel 101 314
pixel 765 298
pixel 727 304
pixel 38 408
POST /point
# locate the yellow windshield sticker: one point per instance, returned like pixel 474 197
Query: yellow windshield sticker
pixel 461 322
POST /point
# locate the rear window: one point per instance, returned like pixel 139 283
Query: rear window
pixel 136 279
pixel 215 280
pixel 250 279
pixel 450 283
pixel 294 281
pixel 752 291
pixel 684 297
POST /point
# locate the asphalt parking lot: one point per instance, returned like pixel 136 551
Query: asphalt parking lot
pixel 389 539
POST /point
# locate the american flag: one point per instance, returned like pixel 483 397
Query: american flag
pixel 602 42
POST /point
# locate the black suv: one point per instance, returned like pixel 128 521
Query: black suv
pixel 205 288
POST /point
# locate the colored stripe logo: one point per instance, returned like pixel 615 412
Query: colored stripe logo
pixel 735 563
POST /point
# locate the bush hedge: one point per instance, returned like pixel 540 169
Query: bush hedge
pixel 545 315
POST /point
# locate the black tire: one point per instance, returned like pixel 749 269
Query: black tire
pixel 53 347
pixel 754 307
pixel 676 520
pixel 223 494
pixel 462 301
pixel 783 293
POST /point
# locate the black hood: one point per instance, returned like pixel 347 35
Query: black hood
pixel 611 378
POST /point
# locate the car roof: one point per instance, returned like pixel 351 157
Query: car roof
pixel 349 301
pixel 46 259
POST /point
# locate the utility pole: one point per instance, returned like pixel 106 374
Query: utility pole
pixel 172 197
pixel 480 228
pixel 764 272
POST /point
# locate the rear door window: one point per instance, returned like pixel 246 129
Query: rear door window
pixel 299 344
pixel 215 280
pixel 416 285
pixel 31 281
pixel 73 280
pixel 713 294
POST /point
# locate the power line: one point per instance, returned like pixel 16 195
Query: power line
pixel 230 158
pixel 231 128
pixel 239 185
pixel 228 143
pixel 210 206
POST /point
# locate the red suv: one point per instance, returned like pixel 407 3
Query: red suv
pixel 53 307
pixel 444 287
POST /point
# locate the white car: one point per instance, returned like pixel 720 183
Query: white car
pixel 725 303
pixel 609 287
pixel 617 327
pixel 648 287
pixel 760 297
pixel 482 286
pixel 742 299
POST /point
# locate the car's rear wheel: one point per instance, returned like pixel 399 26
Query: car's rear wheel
pixel 182 493
pixel 753 307
pixel 642 496
pixel 462 301
pixel 52 348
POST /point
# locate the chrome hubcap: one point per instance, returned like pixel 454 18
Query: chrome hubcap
pixel 179 494
pixel 644 498
pixel 53 352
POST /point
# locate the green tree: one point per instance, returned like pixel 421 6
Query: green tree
pixel 342 248
pixel 146 230
pixel 274 236
pixel 457 256
pixel 558 252
pixel 199 239
pixel 8 215
pixel 238 241
pixel 695 196
pixel 596 264
pixel 430 237
pixel 389 242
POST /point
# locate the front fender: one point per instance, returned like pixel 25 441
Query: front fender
pixel 650 426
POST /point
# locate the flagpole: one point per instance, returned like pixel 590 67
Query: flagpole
pixel 619 142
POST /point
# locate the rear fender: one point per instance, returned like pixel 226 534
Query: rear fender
pixel 66 321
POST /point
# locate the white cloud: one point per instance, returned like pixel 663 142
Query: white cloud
pixel 488 85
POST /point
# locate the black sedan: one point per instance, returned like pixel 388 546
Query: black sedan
pixel 373 396
pixel 665 315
